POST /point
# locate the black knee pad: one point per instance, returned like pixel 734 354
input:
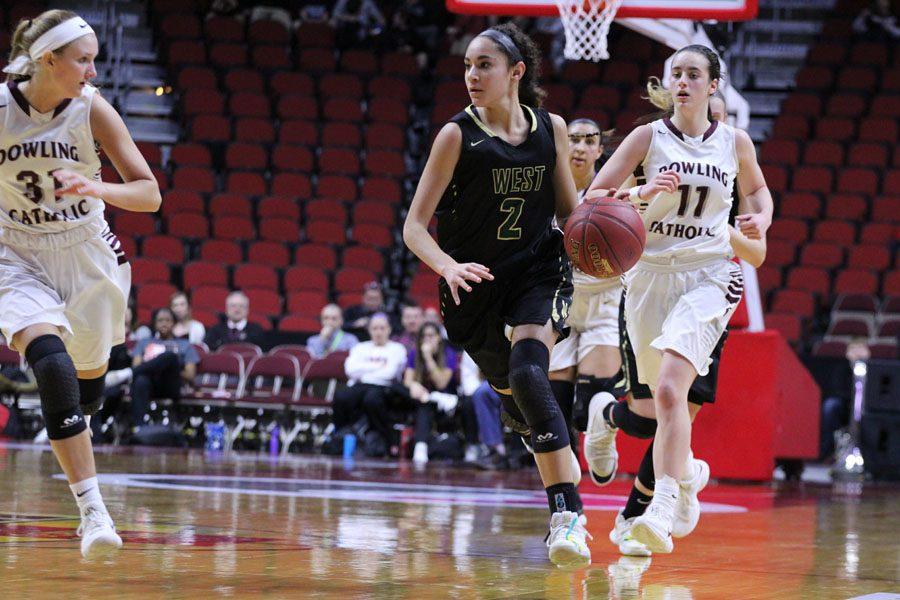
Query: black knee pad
pixel 529 362
pixel 631 423
pixel 57 385
pixel 586 387
pixel 91 394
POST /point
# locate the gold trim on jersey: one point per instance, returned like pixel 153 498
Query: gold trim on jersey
pixel 470 110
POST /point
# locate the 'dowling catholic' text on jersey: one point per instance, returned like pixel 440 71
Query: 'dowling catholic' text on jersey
pixel 32 146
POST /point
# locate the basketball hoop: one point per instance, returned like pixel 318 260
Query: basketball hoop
pixel 586 23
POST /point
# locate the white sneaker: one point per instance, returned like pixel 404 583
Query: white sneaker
pixel 116 377
pixel 687 509
pixel 566 540
pixel 97 532
pixel 620 535
pixel 653 529
pixel 600 441
pixel 420 453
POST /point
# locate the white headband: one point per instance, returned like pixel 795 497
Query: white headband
pixel 52 39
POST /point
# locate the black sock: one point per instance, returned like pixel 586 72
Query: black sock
pixel 637 503
pixel 562 497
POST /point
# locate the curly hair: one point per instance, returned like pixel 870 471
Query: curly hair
pixel 530 92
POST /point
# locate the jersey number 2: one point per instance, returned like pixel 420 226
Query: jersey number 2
pixel 513 209
pixel 702 192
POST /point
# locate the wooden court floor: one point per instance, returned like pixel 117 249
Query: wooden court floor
pixel 251 526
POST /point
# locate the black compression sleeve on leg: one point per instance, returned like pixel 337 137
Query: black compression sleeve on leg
pixel 638 500
pixel 529 361
pixel 586 388
pixel 646 475
pixel 631 423
pixel 57 386
pixel 91 394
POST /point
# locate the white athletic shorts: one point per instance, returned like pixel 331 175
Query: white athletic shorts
pixel 78 280
pixel 681 310
pixel 593 320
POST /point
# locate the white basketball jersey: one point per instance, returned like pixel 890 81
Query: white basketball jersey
pixel 32 146
pixel 691 224
pixel 583 281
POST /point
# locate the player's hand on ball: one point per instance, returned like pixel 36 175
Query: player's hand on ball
pixel 457 275
pixel 72 183
pixel 753 226
pixel 667 181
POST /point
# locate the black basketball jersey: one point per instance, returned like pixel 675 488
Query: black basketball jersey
pixel 499 206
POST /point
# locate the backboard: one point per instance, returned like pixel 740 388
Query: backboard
pixel 722 10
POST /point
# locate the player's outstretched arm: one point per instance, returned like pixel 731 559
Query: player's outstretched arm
pixel 756 206
pixel 435 179
pixel 140 192
pixel 621 165
pixel 563 182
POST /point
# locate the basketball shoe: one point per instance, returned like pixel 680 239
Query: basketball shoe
pixel 97 532
pixel 600 441
pixel 620 535
pixel 687 509
pixel 566 540
pixel 654 527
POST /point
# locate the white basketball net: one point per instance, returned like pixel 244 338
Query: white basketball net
pixel 586 23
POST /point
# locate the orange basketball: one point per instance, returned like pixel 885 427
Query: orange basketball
pixel 604 237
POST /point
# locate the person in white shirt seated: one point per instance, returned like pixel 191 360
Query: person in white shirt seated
pixel 372 369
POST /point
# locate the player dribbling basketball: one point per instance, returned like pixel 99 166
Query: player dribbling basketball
pixel 497 175
pixel 682 292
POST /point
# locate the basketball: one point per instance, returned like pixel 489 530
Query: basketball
pixel 604 238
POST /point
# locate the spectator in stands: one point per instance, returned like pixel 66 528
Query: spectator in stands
pixel 414 27
pixel 331 337
pixel 356 21
pixel 236 327
pixel 877 21
pixel 185 325
pixel 838 396
pixel 372 302
pixel 433 315
pixel 486 403
pixel 373 368
pixel 411 319
pixel 159 367
pixel 431 367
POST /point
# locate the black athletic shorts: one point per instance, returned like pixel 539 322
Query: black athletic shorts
pixel 542 292
pixel 703 390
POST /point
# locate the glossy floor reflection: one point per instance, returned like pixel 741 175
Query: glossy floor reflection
pixel 254 526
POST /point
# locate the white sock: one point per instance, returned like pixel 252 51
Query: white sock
pixel 689 471
pixel 665 495
pixel 86 491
